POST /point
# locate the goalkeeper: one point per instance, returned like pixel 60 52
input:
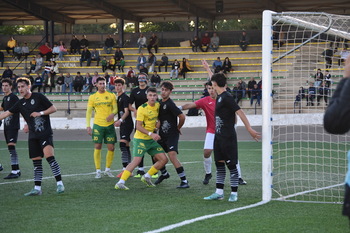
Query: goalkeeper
pixel 337 121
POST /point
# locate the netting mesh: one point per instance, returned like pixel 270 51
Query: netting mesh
pixel 308 163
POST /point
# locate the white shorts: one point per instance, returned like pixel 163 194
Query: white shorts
pixel 209 141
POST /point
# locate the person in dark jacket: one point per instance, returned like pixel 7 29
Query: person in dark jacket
pixel 74 45
pixel 337 121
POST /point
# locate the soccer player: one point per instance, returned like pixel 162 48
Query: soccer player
pixel 35 109
pixel 124 121
pixel 145 140
pixel 104 105
pixel 225 141
pixel 169 132
pixel 11 127
pixel 208 105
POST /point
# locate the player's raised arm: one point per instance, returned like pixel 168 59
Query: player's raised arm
pixel 188 106
pixel 255 135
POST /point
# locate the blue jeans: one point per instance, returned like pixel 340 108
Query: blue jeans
pixel 176 73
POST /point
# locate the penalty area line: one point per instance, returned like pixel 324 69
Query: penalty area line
pixel 189 221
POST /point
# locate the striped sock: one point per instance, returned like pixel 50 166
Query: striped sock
pixel 55 167
pixel 220 175
pixel 38 172
pixel 181 172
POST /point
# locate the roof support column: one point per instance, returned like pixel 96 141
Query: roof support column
pixel 137 27
pixel 52 33
pixel 196 24
pixel 121 32
pixel 46 30
pixel 67 28
pixel 210 25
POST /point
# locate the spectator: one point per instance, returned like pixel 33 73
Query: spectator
pixel 60 83
pixel 155 80
pixel 300 95
pixel 38 83
pixel 328 79
pixel 109 44
pixel 118 54
pixel 78 82
pixel 32 65
pixel 175 69
pixel 310 94
pixel 7 73
pixel 84 43
pixel 244 41
pixel 251 84
pixel 131 77
pixel 343 55
pixel 141 61
pixel 217 65
pixel 256 94
pixel 141 42
pixel 17 51
pixel 281 39
pixel 323 92
pixel 111 64
pixel 153 42
pixel 74 45
pixel 45 50
pixel 242 86
pixel 46 70
pixel 39 63
pixel 205 42
pixel 328 57
pixel 236 93
pixel 94 78
pixel 214 42
pixel 11 44
pixel 88 85
pixel 25 50
pixel 318 78
pixel 143 70
pixel 14 78
pixel 68 80
pixel 196 44
pixel 104 64
pixel 55 50
pixel 2 58
pixel 184 67
pixel 95 56
pixel 121 64
pixel 54 69
pixel 111 81
pixel 227 66
pixel 164 62
pixel 85 56
pixel 151 62
pixel 106 76
pixel 63 50
pixel 49 82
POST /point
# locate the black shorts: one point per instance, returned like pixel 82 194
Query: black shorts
pixel 36 145
pixel 11 135
pixel 169 143
pixel 225 148
pixel 125 131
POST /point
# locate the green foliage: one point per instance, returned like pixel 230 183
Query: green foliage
pixel 21 29
pixel 235 25
pixel 93 28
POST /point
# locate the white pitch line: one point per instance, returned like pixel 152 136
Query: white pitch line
pixel 189 221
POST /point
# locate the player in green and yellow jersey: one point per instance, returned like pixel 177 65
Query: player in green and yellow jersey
pixel 104 104
pixel 145 140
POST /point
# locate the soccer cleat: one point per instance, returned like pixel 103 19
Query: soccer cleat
pixel 98 175
pixel 147 181
pixel 161 178
pixel 139 173
pixel 60 189
pixel 108 173
pixel 121 186
pixel 1 168
pixel 155 176
pixel 12 176
pixel 233 198
pixel 18 173
pixel 34 192
pixel 241 181
pixel 183 185
pixel 214 196
pixel 207 178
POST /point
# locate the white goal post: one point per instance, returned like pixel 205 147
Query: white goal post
pixel 300 160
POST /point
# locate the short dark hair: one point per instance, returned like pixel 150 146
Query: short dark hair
pixel 167 85
pixel 24 80
pixel 151 89
pixel 209 83
pixel 7 80
pixel 100 79
pixel 220 79
pixel 119 80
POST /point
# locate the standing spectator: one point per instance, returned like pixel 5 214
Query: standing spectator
pixel 256 94
pixel 74 45
pixel 7 73
pixel 328 57
pixel 118 54
pixel 164 62
pixel 60 83
pixel 39 63
pixel 104 64
pixel 227 66
pixel 85 56
pixel 38 82
pixel 25 50
pixel 95 56
pixel 205 42
pixel 153 42
pixel 2 58
pixel 343 55
pixel 141 42
pixel 131 78
pixel 141 61
pixel 217 65
pixel 55 50
pixel 251 84
pixel 196 44
pixel 151 62
pixel 214 42
pixel 45 50
pixel 121 64
pixel 63 50
pixel 78 82
pixel 84 43
pixel 111 64
pixel 109 44
pixel 155 80
pixel 323 92
pixel 328 79
pixel 184 67
pixel 11 44
pixel 175 69
pixel 244 41
pixel 68 80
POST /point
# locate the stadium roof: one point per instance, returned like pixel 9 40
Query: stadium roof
pixel 107 11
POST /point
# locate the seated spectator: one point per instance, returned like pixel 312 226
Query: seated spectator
pixel 141 61
pixel 88 85
pixel 95 56
pixel 318 78
pixel 11 44
pixel 328 57
pixel 214 42
pixel 84 43
pixel 63 50
pixel 55 50
pixel 109 44
pixel 175 69
pixel 217 65
pixel 141 42
pixel 184 67
pixel 343 55
pixel 250 87
pixel 54 68
pixel 300 95
pixel 244 41
pixel 38 83
pixel 237 94
pixel 78 82
pixel 94 78
pixel 205 42
pixel 328 79
pixel 38 62
pixel 85 56
pixel 45 50
pixel 68 80
pixel 60 83
pixel 164 62
pixel 131 79
pixel 118 54
pixel 143 70
pixel 25 51
pixel 196 44
pixel 256 94
pixel 7 73
pixel 323 92
pixel 112 64
pixel 281 39
pixel 17 52
pixel 151 61
pixel 106 76
pixel 46 70
pixel 111 81
pixel 32 65
pixel 227 66
pixel 242 86
pixel 2 58
pixel 310 94
pixel 153 42
pixel 74 45
pixel 104 64
pixel 155 80
pixel 121 64
pixel 49 81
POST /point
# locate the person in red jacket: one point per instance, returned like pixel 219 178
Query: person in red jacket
pixel 205 42
pixel 45 50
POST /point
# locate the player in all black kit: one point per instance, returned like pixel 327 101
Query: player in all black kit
pixel 35 109
pixel 124 122
pixel 225 142
pixel 169 132
pixel 11 127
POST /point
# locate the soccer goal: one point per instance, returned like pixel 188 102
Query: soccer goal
pixel 301 161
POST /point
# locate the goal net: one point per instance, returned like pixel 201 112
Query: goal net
pixel 301 161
